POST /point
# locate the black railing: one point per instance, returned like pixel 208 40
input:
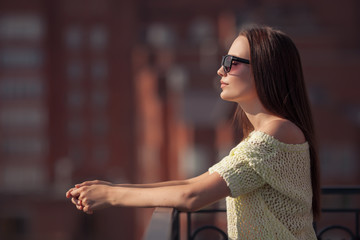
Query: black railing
pixel 345 203
pixel 351 208
pixel 193 234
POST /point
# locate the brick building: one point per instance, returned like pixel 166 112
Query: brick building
pixel 66 114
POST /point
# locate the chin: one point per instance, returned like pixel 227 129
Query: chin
pixel 222 96
pixel 225 98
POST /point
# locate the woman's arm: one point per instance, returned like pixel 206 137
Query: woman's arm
pixel 147 185
pixel 194 194
pixel 164 184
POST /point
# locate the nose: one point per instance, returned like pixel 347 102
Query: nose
pixel 221 72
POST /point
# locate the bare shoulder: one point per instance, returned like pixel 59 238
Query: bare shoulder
pixel 285 131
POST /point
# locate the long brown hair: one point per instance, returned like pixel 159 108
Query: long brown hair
pixel 279 82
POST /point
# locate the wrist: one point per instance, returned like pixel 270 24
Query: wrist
pixel 109 194
pixel 112 195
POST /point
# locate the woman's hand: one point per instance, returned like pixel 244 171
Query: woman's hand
pixel 88 183
pixel 90 197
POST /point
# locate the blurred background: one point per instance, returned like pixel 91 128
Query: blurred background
pixel 127 91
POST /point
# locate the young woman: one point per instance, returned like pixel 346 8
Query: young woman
pixel 270 178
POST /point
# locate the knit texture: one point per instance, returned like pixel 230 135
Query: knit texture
pixel 270 186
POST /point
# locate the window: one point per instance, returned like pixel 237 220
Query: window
pixel 24 117
pixel 194 160
pixel 75 99
pixel 201 29
pixel 100 155
pixel 75 70
pixel 159 35
pixel 21 27
pixel 76 154
pixel 21 58
pixel 23 178
pixel 99 98
pixel 21 88
pixel 73 37
pixel 98 37
pixel 177 78
pixel 23 146
pixel 75 128
pixel 99 126
pixel 99 70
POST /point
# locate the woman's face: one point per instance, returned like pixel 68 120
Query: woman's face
pixel 238 84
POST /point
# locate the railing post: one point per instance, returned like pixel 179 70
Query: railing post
pixel 161 224
pixel 188 214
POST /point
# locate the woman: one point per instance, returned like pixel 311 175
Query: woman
pixel 270 179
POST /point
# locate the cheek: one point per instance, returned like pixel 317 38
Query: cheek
pixel 239 69
pixel 243 86
pixel 236 69
pixel 239 89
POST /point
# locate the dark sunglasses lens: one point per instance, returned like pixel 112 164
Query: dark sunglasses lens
pixel 227 63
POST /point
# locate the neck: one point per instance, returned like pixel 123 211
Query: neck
pixel 257 114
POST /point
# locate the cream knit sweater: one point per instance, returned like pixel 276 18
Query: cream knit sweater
pixel 270 188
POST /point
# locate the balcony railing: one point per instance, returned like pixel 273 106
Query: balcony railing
pixel 166 223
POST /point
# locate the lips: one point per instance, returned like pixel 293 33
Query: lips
pixel 223 84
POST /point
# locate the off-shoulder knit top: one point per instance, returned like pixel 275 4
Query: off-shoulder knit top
pixel 270 187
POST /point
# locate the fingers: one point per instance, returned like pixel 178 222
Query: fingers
pixel 87 183
pixel 78 198
pixel 87 210
pixel 76 202
pixel 68 193
pixel 75 192
pixel 82 206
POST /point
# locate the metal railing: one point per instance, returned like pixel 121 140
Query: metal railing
pixel 345 193
pixel 165 223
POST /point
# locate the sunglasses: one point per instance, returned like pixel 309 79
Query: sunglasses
pixel 228 60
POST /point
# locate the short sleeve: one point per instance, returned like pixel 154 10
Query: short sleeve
pixel 239 176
